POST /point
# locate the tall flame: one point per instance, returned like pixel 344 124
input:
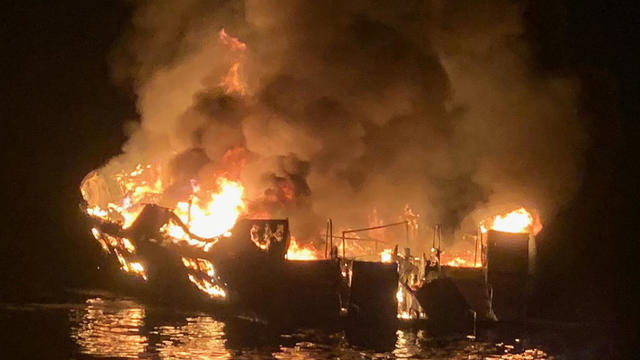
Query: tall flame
pixel 216 214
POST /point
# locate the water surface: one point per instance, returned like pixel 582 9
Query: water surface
pixel 118 328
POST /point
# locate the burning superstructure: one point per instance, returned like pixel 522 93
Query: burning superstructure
pixel 208 240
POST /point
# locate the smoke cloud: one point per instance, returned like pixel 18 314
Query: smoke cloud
pixel 353 106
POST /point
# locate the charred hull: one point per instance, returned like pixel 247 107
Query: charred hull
pixel 247 273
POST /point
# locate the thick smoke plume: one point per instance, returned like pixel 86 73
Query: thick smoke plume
pixel 353 106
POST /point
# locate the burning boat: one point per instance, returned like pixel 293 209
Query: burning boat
pixel 179 220
pixel 254 267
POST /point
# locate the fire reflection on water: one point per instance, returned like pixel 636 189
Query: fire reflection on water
pixel 201 338
pixel 116 328
pixel 108 328
pixel 104 328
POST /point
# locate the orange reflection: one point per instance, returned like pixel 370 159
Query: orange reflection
pixel 201 338
pixel 108 328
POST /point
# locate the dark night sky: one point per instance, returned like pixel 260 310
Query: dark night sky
pixel 62 116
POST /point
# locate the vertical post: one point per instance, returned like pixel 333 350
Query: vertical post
pixel 475 252
pixel 482 249
pixel 433 244
pixel 406 227
pixel 439 242
pixel 330 235
pixel 326 239
pixel 343 247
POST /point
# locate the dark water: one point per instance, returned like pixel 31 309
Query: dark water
pixel 110 327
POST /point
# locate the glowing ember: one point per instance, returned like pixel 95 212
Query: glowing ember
pixel 516 221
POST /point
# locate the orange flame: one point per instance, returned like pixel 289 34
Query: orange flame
pixel 516 221
pixel 297 252
pixel 458 261
pixel 209 214
pixel 202 275
pixel 233 43
pixel 215 214
pixel 231 82
pixel 124 251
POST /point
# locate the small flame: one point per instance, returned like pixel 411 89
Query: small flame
pixel 233 43
pixel 203 276
pixel 215 291
pixel 133 267
pixel 457 261
pixel 202 265
pixel 124 251
pixel 404 315
pixel 386 256
pixel 296 252
pixel 231 82
pixel 400 298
